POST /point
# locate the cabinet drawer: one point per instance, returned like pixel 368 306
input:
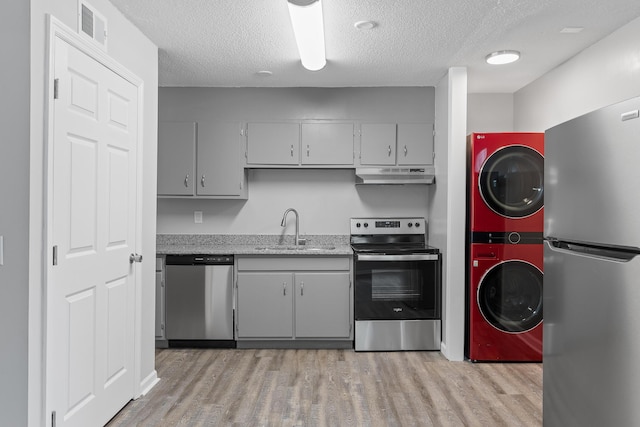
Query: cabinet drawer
pixel 293 263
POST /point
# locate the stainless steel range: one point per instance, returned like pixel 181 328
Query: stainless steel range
pixel 397 285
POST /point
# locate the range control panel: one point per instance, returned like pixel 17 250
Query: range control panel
pixel 388 225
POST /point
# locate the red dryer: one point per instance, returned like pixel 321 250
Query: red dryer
pixel 505 302
pixel 506 182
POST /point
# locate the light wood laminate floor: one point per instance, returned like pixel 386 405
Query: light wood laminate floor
pixel 230 387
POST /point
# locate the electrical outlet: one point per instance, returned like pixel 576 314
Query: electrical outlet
pixel 197 217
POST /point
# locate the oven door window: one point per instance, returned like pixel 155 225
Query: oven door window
pixel 387 290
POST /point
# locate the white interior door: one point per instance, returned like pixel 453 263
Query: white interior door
pixel 91 289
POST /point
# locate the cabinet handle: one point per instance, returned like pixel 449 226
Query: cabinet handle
pixel 307 150
pixel 389 151
pixel 186 181
pixel 405 150
pixel 291 150
pixel 301 288
pixel 284 288
pixel 202 180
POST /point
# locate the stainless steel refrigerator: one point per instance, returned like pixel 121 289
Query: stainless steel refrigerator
pixel 591 344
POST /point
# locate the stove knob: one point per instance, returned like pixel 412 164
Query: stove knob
pixel 410 224
pixel 417 224
pixel 366 224
pixel 357 225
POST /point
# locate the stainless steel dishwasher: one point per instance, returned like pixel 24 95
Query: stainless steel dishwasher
pixel 199 300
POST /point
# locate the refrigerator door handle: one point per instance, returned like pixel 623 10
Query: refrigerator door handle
pixel 594 250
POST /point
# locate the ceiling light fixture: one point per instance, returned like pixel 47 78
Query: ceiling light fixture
pixel 502 57
pixel 308 28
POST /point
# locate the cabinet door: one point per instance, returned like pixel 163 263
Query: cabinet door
pixel 265 305
pixel 322 305
pixel 378 144
pixel 415 144
pixel 327 144
pixel 159 306
pixel 220 172
pixel 273 143
pixel 160 298
pixel 176 158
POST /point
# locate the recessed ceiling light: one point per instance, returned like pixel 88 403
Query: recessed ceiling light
pixel 502 57
pixel 571 30
pixel 264 73
pixel 365 25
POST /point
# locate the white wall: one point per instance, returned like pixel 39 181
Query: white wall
pixel 325 199
pixel 14 222
pixel 134 51
pixel 447 201
pixel 489 112
pixel 603 74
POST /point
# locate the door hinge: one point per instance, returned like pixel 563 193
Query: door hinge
pixel 53 419
pixel 55 255
pixel 55 88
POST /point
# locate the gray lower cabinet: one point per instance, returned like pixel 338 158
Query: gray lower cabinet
pixel 322 305
pixel 160 303
pixel 265 305
pixel 301 298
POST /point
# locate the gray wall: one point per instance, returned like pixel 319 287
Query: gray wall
pixel 489 112
pixel 14 219
pixel 325 199
pixel 605 73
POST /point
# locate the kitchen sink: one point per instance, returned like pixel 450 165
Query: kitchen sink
pixel 295 248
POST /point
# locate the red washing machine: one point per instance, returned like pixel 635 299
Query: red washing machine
pixel 506 182
pixel 505 301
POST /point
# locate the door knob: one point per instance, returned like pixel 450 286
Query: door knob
pixel 135 258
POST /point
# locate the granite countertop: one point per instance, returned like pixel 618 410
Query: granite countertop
pixel 239 244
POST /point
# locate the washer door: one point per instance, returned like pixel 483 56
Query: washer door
pixel 511 181
pixel 510 296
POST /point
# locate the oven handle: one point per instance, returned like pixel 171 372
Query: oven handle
pixel 408 257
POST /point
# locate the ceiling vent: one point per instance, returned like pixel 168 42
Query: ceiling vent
pixel 91 24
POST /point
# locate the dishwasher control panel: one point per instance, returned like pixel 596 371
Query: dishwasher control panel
pixel 199 260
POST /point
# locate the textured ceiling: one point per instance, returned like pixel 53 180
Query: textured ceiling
pixel 224 43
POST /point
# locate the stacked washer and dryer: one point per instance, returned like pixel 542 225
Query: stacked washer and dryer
pixel 504 251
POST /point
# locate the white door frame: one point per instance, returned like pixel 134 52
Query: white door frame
pixel 57 29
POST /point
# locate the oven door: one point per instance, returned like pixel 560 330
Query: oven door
pixel 397 287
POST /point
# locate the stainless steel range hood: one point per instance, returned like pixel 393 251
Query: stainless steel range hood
pixel 395 175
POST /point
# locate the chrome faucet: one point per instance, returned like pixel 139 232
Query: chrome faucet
pixel 284 222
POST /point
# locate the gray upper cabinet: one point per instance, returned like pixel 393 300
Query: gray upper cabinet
pixel 201 160
pixel 300 144
pixel 220 171
pixel 273 143
pixel 391 144
pixel 415 144
pixel 176 158
pixel 327 144
pixel 378 144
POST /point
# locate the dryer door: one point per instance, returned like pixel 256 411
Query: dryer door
pixel 510 296
pixel 511 181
